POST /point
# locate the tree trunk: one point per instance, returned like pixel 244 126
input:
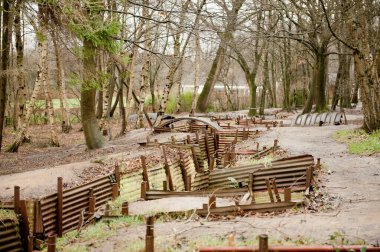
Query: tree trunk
pixel 22 135
pixel 121 107
pixel 211 79
pixel 92 134
pixel 286 75
pixel 21 92
pixel 320 99
pixel 342 87
pixel 274 82
pixel 265 84
pixel 197 68
pixel 49 103
pixel 367 77
pixel 66 124
pixel 355 95
pixel 6 37
pixel 317 93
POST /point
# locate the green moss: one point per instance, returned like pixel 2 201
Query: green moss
pixel 359 142
pixel 7 215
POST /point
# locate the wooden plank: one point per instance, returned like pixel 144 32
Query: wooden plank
pixel 278 198
pixel 60 206
pixel 269 190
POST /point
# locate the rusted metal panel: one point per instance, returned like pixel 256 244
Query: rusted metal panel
pixel 75 201
pixel 10 239
pixel 285 170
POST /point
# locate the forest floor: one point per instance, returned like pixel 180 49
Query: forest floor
pixel 350 182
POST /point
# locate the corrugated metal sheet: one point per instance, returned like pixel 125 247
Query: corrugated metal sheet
pixel 287 172
pixel 10 239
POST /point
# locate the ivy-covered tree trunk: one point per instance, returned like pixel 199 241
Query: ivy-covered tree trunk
pixel 92 134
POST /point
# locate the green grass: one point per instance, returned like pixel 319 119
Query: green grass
pixel 95 234
pixel 359 142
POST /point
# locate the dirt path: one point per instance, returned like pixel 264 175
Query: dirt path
pixel 36 173
pixel 353 181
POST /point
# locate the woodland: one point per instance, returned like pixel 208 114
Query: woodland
pixel 110 59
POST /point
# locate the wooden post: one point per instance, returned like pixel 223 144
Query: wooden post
pixel 288 194
pixel 250 188
pixel 117 175
pixel 107 211
pixel 188 183
pixel 145 171
pixel 197 137
pixel 225 159
pixel 59 207
pixel 274 184
pixel 167 170
pixel 30 243
pixel 51 241
pixel 91 203
pixel 115 191
pixel 212 201
pixel 257 146
pixel 183 169
pixel 207 148
pixel 263 243
pixel 37 226
pixel 149 238
pixel 164 185
pixel 143 189
pixel 275 143
pixel 188 139
pixel 16 199
pixel 318 163
pixel 125 208
pixel 197 168
pixel 204 206
pixel 25 225
pixel 212 161
pixel 269 190
pixel 309 175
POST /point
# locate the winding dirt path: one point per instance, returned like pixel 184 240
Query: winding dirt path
pixel 353 181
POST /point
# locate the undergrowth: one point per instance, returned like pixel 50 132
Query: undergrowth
pixel 359 142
